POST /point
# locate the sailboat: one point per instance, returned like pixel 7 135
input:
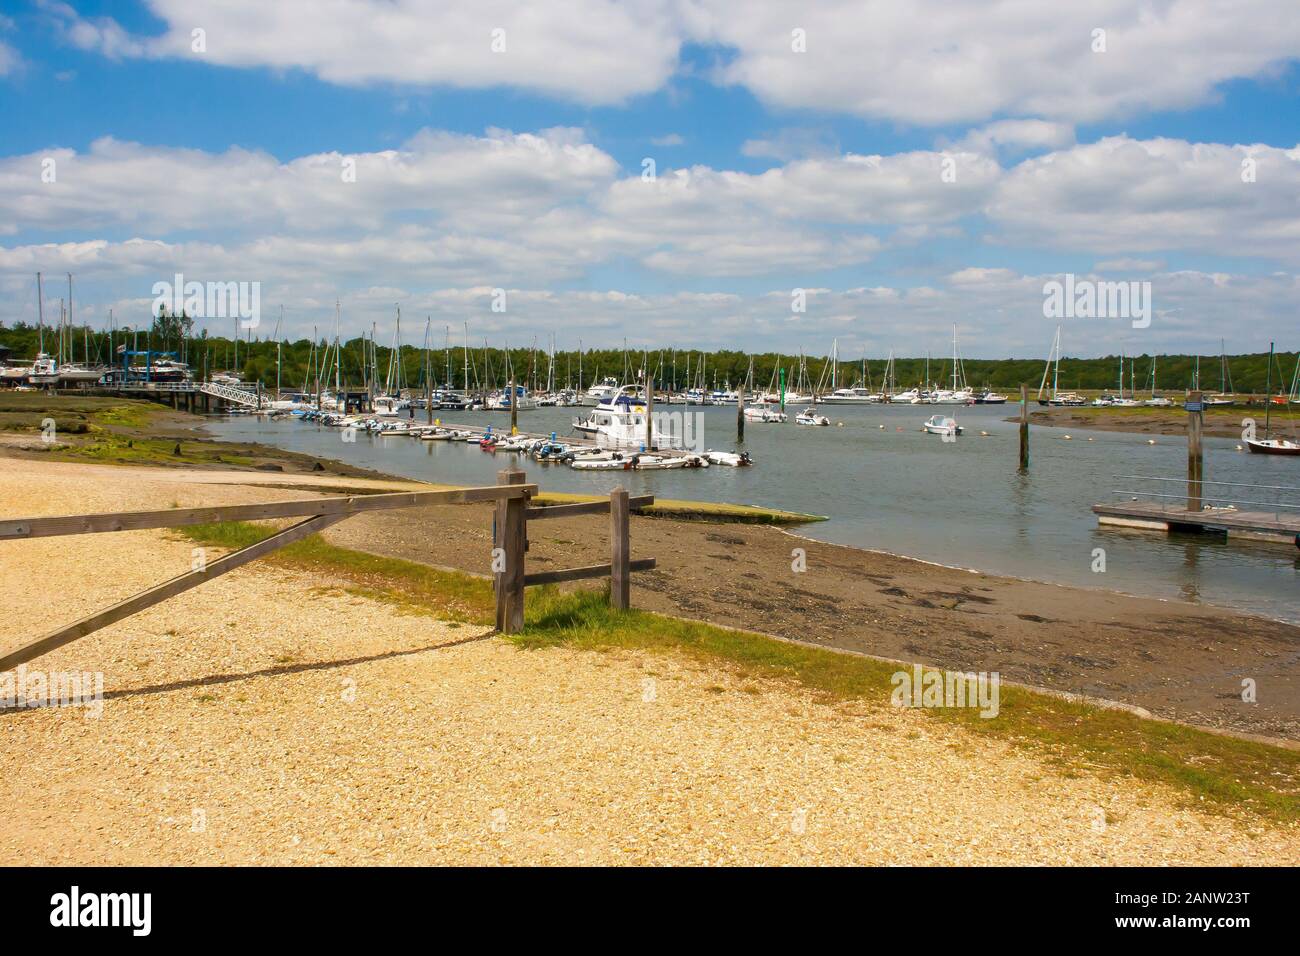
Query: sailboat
pixel 1268 445
pixel 1224 396
pixel 1156 400
pixel 1054 365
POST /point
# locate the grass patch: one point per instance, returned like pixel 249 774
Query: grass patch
pixel 694 510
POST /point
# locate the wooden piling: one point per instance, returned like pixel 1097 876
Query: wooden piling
pixel 620 576
pixel 649 413
pixel 514 409
pixel 1024 428
pixel 511 537
pixel 1195 455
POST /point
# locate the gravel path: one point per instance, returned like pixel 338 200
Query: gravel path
pixel 270 717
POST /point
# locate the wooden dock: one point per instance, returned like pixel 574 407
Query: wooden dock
pixel 1277 526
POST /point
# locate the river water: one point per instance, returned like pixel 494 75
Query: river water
pixel 883 484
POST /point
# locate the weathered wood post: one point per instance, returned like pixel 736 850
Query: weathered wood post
pixel 620 575
pixel 1195 458
pixel 1024 428
pixel 514 409
pixel 740 411
pixel 512 539
pixel 649 413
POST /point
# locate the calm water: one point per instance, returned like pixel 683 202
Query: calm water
pixel 959 504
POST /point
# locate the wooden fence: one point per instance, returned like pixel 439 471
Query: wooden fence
pixel 511 495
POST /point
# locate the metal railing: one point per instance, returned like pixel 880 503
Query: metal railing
pixel 1211 498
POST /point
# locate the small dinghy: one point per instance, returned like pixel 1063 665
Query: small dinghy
pixel 809 416
pixel 729 458
pixel 942 425
pixel 764 415
pixel 614 462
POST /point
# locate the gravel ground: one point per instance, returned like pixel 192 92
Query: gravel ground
pixel 270 717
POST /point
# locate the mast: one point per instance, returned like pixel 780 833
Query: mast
pixel 1268 391
pixel 338 356
pixel 40 313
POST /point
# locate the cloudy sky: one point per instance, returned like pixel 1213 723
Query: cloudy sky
pixel 667 172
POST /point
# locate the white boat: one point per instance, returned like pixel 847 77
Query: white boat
pixel 601 393
pixel 614 462
pixel 45 371
pixel 764 415
pixel 1158 401
pixel 810 417
pixel 729 458
pixel 851 396
pixel 942 425
pixel 989 397
pixel 621 421
pixel 390 406
pixel 910 397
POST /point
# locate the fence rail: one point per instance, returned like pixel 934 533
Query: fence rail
pixel 511 495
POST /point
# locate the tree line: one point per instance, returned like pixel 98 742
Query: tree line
pixel 301 361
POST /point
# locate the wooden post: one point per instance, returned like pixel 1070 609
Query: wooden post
pixel 1024 428
pixel 649 413
pixel 740 412
pixel 1195 457
pixel 620 545
pixel 512 539
pixel 514 409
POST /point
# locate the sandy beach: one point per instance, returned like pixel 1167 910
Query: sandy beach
pixel 273 717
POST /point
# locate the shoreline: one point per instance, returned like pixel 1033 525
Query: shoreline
pixel 1158 654
pixel 1217 423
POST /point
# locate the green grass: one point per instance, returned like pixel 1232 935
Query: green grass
pixel 1249 780
pixel 720 511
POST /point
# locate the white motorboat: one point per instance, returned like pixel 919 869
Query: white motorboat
pixel 810 417
pixel 612 462
pixel 390 406
pixel 621 421
pixel 851 396
pixel 601 393
pixel 1158 401
pixel 989 397
pixel 763 415
pixel 910 397
pixel 729 458
pixel 942 425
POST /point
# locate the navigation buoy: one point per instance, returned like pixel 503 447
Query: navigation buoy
pixel 882 427
pixel 1068 438
pixel 1151 441
pixel 984 434
pixel 1240 448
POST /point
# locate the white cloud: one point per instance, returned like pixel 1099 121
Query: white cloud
pixel 671 139
pixel 921 62
pixel 592 51
pixel 930 62
pixel 1120 195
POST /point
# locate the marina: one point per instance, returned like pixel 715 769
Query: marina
pixel 884 484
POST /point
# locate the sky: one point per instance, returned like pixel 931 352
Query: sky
pixel 694 174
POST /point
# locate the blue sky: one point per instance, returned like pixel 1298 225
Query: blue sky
pixel 1132 174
